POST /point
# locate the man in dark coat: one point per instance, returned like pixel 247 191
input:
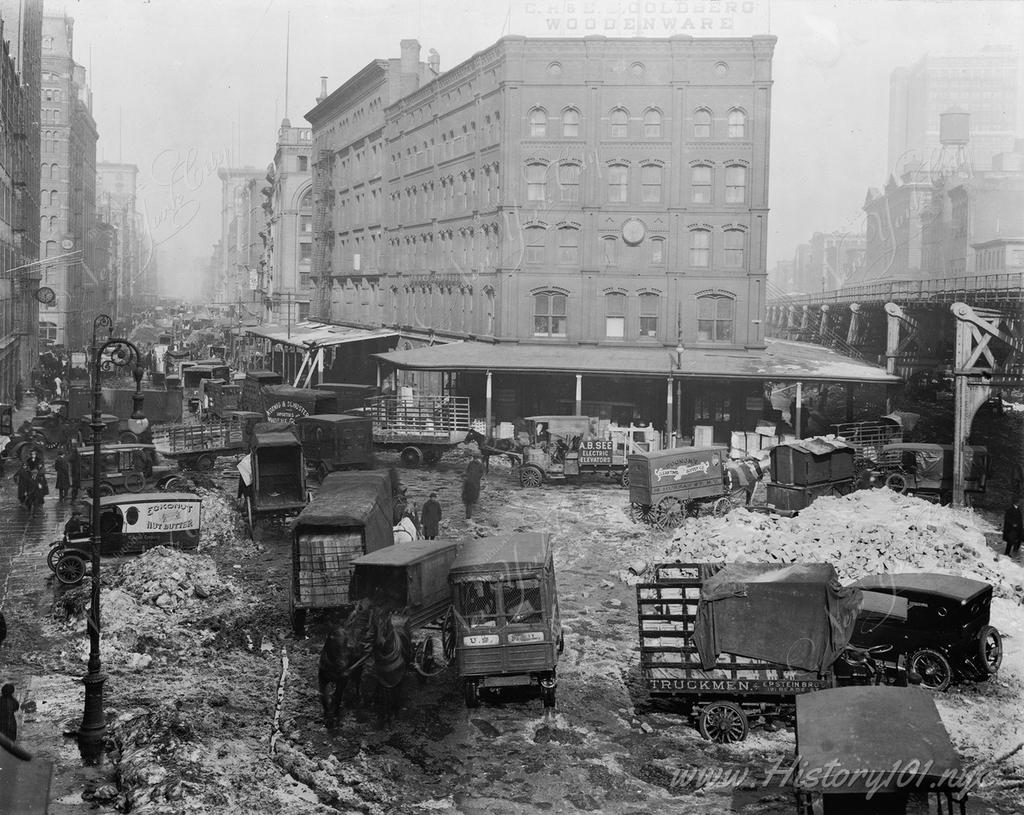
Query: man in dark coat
pixel 72 460
pixel 60 467
pixel 19 394
pixel 1013 527
pixel 430 517
pixel 38 489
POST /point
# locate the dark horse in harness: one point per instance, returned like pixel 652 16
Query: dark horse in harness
pixel 487 450
pixel 391 648
pixel 341 659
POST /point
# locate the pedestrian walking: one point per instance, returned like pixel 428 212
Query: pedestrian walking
pixel 60 467
pixel 19 394
pixel 430 517
pixel 1013 527
pixel 24 479
pixel 8 706
pixel 470 493
pixel 74 470
pixel 38 489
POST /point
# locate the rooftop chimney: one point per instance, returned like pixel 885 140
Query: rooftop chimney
pixel 323 90
pixel 434 61
pixel 410 66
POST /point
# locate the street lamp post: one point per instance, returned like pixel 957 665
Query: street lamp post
pixel 121 354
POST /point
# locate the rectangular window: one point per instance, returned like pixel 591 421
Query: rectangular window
pixel 615 316
pixel 651 183
pixel 535 182
pixel 700 247
pixel 714 319
pixel 306 224
pixel 735 184
pixel 569 182
pixel 305 252
pixel 303 164
pixel 734 248
pixel 610 250
pixel 618 184
pixel 657 250
pixel 549 315
pixel 700 181
pixel 568 246
pixel 535 245
pixel 648 315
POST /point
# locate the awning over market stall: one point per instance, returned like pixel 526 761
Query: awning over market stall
pixel 303 335
pixel 780 360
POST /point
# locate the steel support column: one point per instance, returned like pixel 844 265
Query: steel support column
pixel 487 431
pixel 579 394
pixel 895 347
pixel 853 332
pixel 824 328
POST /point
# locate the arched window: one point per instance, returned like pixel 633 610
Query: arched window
pixel 43 222
pixel 657 250
pixel 649 314
pixel 652 124
pixel 615 315
pixel 610 250
pixel 735 184
pixel 536 182
pixel 715 318
pixel 538 123
pixel 568 245
pixel 700 184
pixel 702 124
pixel 700 248
pixel 570 123
pixel 650 183
pixel 51 249
pixel 737 124
pixel 733 249
pixel 619 124
pixel 44 172
pixel 618 183
pixel 549 313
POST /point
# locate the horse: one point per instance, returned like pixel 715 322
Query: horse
pixel 487 450
pixel 391 639
pixel 342 658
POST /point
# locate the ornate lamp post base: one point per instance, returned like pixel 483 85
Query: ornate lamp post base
pixel 94 722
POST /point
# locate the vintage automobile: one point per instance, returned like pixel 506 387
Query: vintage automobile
pixel 727 642
pixel 848 742
pixel 350 516
pixel 126 468
pixel 335 441
pixel 508 627
pixel 944 632
pixel 129 525
pixel 927 469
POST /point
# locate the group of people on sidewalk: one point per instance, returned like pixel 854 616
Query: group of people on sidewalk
pixel 33 486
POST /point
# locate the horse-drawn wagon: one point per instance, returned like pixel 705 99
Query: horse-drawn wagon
pixel 273 478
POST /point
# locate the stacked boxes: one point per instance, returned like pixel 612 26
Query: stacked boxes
pixel 807 469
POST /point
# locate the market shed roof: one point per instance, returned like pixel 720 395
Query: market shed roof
pixel 779 360
pixel 321 334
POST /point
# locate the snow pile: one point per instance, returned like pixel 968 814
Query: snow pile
pixel 221 521
pixel 168 578
pixel 866 532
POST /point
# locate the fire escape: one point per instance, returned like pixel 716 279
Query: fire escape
pixel 323 230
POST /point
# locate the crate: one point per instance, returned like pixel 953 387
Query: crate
pixel 793 497
pixel 324 568
pixel 797 464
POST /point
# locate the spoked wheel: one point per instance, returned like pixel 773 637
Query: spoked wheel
pixel 624 477
pixel 134 482
pixel 530 476
pixel 721 507
pixel 897 482
pixel 53 556
pixel 173 484
pixel 471 690
pixel 448 635
pixel 990 650
pixel 723 722
pixel 670 513
pixel 641 513
pixel 70 569
pixel 932 666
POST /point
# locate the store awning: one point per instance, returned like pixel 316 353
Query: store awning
pixel 781 360
pixel 303 335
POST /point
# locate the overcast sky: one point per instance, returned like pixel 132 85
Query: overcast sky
pixel 181 87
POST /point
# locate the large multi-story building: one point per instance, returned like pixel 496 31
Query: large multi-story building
pixel 116 205
pixel 67 191
pixel 20 74
pixel 986 84
pixel 284 272
pixel 242 220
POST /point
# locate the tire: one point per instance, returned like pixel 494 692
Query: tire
pixel 624 478
pixel 721 507
pixel 204 463
pixel 547 695
pixel 70 570
pixel 723 722
pixel 53 556
pixel 897 482
pixel 105 489
pixel 530 476
pixel 932 666
pixel 641 513
pixel 127 437
pixel 471 691
pixel 990 651
pixel 173 484
pixel 411 456
pixel 135 482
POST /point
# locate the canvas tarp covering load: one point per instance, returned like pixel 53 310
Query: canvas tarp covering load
pixel 347 499
pixel 797 615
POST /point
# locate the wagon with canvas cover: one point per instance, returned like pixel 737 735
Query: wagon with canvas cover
pixel 350 516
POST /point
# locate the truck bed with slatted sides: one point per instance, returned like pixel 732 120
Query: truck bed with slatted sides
pixel 423 419
pixel 214 438
pixel 669 663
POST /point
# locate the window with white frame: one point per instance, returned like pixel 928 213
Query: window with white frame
pixel 538 123
pixel 737 124
pixel 619 124
pixel 536 182
pixel 700 247
pixel 610 250
pixel 733 248
pixel 569 182
pixel 536 238
pixel 570 123
pixel 700 184
pixel 549 314
pixel 652 124
pixel 657 250
pixel 650 183
pixel 735 184
pixel 702 124
pixel 715 318
pixel 615 315
pixel 618 183
pixel 649 314
pixel 568 245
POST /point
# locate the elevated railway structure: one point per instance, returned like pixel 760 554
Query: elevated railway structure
pixel 969 326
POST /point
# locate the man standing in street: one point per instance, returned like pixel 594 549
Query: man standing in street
pixel 1013 527
pixel 430 517
pixel 19 394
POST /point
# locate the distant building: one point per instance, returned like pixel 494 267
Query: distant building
pixel 286 264
pixel 999 256
pixel 67 191
pixel 116 201
pixel 827 262
pixel 985 84
pixel 20 74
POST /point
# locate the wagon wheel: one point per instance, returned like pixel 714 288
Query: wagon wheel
pixel 448 635
pixel 204 463
pixel 990 650
pixel 721 507
pixel 641 513
pixel 53 556
pixel 173 483
pixel 932 666
pixel 897 482
pixel 134 482
pixel 530 476
pixel 624 477
pixel 70 569
pixel 431 456
pixel 669 513
pixel 411 456
pixel 724 722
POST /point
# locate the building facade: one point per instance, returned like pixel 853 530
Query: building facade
pixel 116 206
pixel 242 220
pixel 986 84
pixel 67 191
pixel 284 279
pixel 20 74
